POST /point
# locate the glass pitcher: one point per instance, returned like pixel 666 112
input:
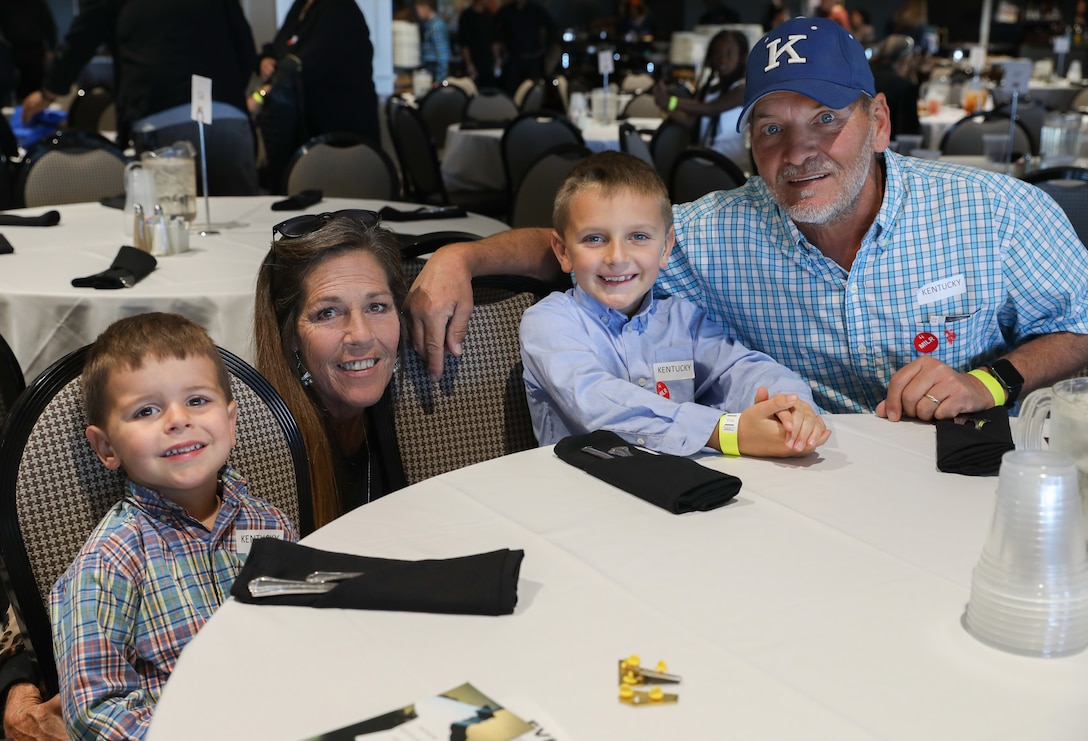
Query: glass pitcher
pixel 173 169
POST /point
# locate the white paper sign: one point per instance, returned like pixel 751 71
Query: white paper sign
pixel 605 64
pixel 202 99
pixel 1061 44
pixel 1017 76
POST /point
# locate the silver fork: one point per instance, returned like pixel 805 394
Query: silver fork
pixel 317 582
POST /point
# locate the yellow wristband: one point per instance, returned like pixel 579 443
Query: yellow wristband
pixel 996 389
pixel 727 434
pixel 258 95
pixel 673 100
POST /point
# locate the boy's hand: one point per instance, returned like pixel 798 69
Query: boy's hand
pixel 779 427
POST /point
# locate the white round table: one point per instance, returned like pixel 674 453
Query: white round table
pixel 42 317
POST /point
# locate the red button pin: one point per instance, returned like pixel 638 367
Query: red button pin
pixel 925 342
pixel 662 389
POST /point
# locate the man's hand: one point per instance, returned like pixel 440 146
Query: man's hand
pixel 34 104
pixel 927 389
pixel 440 304
pixel 268 68
pixel 27 718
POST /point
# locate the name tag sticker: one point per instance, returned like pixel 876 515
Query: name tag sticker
pixel 941 289
pixel 244 539
pixel 674 370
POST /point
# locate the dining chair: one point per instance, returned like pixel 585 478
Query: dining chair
pixel 442 106
pixel 965 136
pixel 1069 187
pixel 534 199
pixel 465 83
pixel 11 380
pixel 642 105
pixel 1079 101
pixel 1031 113
pixel 92 110
pixel 668 141
pixel 72 166
pixel 229 140
pixel 54 490
pixel 631 142
pixel 342 165
pixel 477 410
pixel 529 136
pixel 637 82
pixel 490 106
pixel 533 100
pixel 700 170
pixel 419 166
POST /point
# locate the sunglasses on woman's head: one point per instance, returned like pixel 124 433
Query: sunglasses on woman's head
pixel 300 226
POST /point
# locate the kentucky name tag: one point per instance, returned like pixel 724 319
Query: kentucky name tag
pixel 244 539
pixel 674 370
pixel 941 289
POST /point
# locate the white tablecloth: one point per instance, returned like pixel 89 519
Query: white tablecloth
pixel 43 317
pixel 473 158
pixel 824 603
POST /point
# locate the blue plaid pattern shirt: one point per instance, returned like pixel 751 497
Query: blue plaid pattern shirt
pixel 144 583
pixel 960 263
pixel 661 379
pixel 434 48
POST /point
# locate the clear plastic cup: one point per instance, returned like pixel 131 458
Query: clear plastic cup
pixel 1029 591
pixel 907 143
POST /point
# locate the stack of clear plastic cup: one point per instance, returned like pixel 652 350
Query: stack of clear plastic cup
pixel 1029 591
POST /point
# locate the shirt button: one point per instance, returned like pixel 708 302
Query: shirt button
pixel 642 382
pixel 641 441
pixel 862 348
pixel 604 319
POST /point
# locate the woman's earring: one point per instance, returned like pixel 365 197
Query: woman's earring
pixel 304 376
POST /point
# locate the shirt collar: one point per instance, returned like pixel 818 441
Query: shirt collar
pixel 611 318
pixel 150 501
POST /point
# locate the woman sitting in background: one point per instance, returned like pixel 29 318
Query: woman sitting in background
pixel 717 103
pixel 327 332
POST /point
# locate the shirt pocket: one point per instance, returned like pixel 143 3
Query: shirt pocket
pixel 674 373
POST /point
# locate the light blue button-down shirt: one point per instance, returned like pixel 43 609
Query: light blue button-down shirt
pixel 589 367
pixel 959 263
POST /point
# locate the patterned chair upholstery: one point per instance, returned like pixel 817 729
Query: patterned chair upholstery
pixel 477 410
pixel 71 167
pixel 53 489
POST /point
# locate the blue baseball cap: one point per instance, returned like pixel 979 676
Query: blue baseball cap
pixel 814 57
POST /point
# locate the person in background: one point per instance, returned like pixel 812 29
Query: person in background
pixel 155 52
pixel 523 34
pixel 835 11
pixel 434 45
pixel 894 285
pixel 595 355
pixel 476 35
pixel 893 75
pixel 162 560
pixel 716 13
pixel 715 109
pixel 29 27
pixel 317 77
pixel 860 22
pixel 327 329
pixel 775 15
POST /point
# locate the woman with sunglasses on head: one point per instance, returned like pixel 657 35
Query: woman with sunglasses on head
pixel 327 332
pixel 716 106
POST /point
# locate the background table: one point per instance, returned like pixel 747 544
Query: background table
pixel 473 157
pixel 43 317
pixel 824 603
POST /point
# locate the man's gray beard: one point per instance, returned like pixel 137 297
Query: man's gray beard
pixel 853 180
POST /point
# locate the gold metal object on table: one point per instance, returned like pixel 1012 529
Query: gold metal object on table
pixel 633 675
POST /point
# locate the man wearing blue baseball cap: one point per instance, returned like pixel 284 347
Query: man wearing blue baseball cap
pixel 892 284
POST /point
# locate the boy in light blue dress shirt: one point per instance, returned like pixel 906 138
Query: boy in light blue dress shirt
pixel 608 354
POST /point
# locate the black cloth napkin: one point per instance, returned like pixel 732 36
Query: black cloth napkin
pixel 115 201
pixel 481 584
pixel 669 481
pixel 49 218
pixel 299 201
pixel 972 444
pixel 129 268
pixel 423 213
pixel 482 125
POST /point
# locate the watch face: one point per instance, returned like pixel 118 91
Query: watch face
pixel 1010 378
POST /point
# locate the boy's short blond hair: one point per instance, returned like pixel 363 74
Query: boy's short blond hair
pixel 127 343
pixel 611 173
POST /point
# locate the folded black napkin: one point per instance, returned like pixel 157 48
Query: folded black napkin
pixel 482 125
pixel 299 201
pixel 669 481
pixel 129 268
pixel 49 218
pixel 481 584
pixel 423 213
pixel 115 201
pixel 972 444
